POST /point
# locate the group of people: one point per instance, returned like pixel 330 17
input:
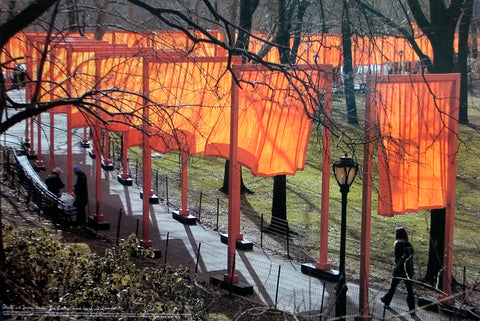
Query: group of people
pixel 55 185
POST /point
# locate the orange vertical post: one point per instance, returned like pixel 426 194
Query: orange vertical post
pixel 85 136
pixel 233 188
pixel 32 135
pixel 39 161
pixel 52 140
pixel 28 98
pixel 147 160
pixel 363 306
pixel 69 151
pixel 97 134
pixel 27 134
pixel 107 147
pixel 451 186
pixel 69 128
pixel 322 263
pixel 97 147
pixel 184 207
pixel 125 156
pixel 52 115
pixel 28 93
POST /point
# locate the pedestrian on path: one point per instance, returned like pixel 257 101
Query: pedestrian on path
pixel 54 182
pixel 81 196
pixel 402 269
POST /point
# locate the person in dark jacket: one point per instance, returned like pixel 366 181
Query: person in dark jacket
pixel 81 196
pixel 54 182
pixel 402 269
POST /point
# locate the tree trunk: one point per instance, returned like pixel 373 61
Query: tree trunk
pixel 297 32
pixel 282 38
pixel 440 32
pixel 279 221
pixel 247 9
pixel 224 188
pixel 436 247
pixel 462 63
pixel 11 8
pixel 24 19
pixel 348 68
pixel 474 33
pixel 279 201
pixel 101 17
pixel 287 56
pixel 73 19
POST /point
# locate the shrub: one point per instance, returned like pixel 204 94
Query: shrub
pixel 41 270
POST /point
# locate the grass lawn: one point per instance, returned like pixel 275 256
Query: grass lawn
pixel 304 199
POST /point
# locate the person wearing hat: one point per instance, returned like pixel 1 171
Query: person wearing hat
pixel 81 195
pixel 54 182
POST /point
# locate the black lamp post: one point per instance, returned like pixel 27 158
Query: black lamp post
pixel 344 170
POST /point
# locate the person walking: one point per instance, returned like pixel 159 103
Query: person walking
pixel 402 269
pixel 54 182
pixel 81 196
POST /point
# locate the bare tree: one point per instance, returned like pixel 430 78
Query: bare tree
pixel 439 22
pixel 101 18
pixel 247 9
pixel 347 65
pixel 279 221
pixel 462 61
pixel 440 30
pixel 74 19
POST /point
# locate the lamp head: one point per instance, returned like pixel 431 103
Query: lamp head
pixel 345 169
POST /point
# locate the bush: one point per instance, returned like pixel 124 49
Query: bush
pixel 42 271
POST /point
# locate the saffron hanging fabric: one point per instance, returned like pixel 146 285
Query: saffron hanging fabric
pixel 414 119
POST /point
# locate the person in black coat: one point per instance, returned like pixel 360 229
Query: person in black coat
pixel 81 196
pixel 402 269
pixel 54 182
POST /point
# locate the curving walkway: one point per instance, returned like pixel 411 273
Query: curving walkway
pixel 275 280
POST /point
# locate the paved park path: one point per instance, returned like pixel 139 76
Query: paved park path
pixel 275 280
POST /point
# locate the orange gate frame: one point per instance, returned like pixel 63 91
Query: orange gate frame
pixel 449 92
pixel 94 52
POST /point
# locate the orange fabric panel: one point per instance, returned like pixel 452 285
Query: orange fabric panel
pixel 185 96
pixel 320 49
pixel 83 81
pixel 206 49
pixel 14 51
pixel 324 48
pixel 413 119
pixel 187 99
pixel 58 75
pixel 273 124
pixel 170 40
pixel 132 39
pixel 333 52
pixel 360 51
pixel 122 75
pixel 256 44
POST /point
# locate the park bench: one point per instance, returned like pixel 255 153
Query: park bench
pixel 47 201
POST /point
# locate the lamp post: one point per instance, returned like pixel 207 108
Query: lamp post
pixel 344 170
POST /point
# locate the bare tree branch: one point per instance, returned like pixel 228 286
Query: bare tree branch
pixel 24 19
